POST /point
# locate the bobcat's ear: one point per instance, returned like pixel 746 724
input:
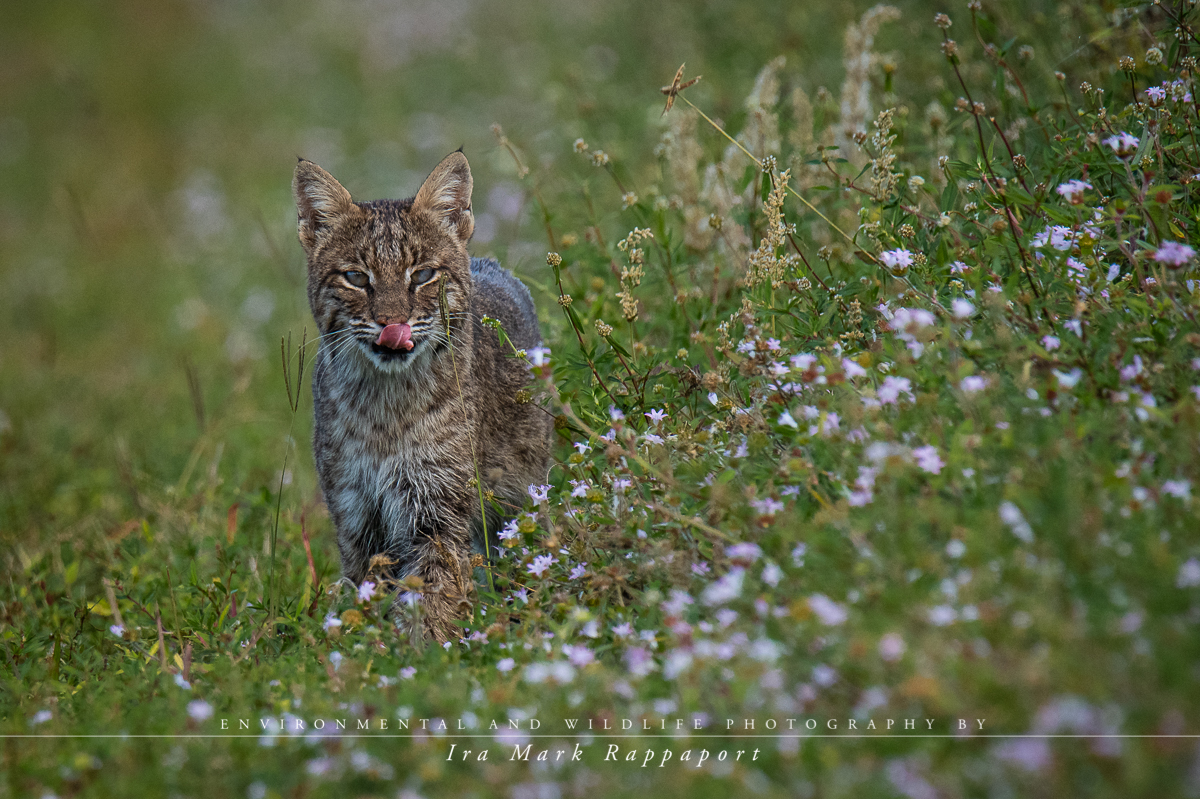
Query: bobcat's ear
pixel 320 201
pixel 446 194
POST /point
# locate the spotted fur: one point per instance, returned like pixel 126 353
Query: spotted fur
pixel 398 434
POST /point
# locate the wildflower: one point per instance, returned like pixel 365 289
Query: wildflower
pixel 651 438
pixel 539 356
pixel 892 388
pixel 639 661
pixel 628 199
pixel 366 591
pixel 772 574
pixel 676 663
pixel 942 615
pixel 539 493
pixel 582 447
pixel 408 672
pixel 182 683
pixel 1073 190
pixel 955 548
pixel 745 553
pixel 1155 94
pixel 852 369
pixel 1132 370
pixel 1029 754
pixel 912 318
pixel 928 459
pixel 41 717
pixel 539 565
pixel 117 630
pixel 1188 577
pixel 1180 489
pixel 509 531
pixel 786 418
pixel 712 397
pixel 798 555
pixel 578 571
pixel 1051 343
pixel 897 261
pixel 973 383
pixel 1068 379
pixel 1011 515
pixel 579 655
pixel 828 612
pixel 656 415
pixel 332 622
pixel 766 506
pixel 1075 326
pixel 1123 144
pixel 1174 254
pixel 677 603
pixel 727 588
pixel 891 647
pixel 623 630
pixel 200 710
pixel 700 569
pixel 335 659
pixel 823 675
pixel 962 309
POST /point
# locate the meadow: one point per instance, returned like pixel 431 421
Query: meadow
pixel 873 356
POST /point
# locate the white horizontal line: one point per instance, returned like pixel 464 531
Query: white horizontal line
pixel 578 734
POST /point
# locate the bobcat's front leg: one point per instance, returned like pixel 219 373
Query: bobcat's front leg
pixel 441 558
pixel 444 566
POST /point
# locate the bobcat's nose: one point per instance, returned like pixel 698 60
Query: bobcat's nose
pixel 396 337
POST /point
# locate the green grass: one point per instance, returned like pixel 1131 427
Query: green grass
pixel 971 513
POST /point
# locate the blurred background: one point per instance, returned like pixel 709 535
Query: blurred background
pixel 148 260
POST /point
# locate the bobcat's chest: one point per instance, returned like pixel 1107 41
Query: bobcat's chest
pixel 388 456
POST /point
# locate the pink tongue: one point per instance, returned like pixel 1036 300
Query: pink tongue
pixel 396 337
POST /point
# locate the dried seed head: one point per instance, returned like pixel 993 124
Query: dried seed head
pixel 1126 64
pixel 950 48
pixel 942 21
pixel 605 330
pixel 553 259
pixel 1154 56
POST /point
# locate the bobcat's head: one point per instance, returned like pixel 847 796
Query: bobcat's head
pixel 384 277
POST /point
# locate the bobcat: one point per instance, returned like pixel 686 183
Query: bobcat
pixel 412 396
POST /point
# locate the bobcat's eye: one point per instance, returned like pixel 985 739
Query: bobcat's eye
pixel 356 278
pixel 422 276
